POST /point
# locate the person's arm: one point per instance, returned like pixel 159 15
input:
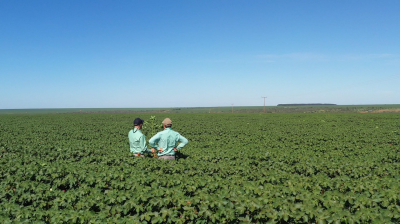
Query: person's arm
pixel 154 140
pixel 143 144
pixel 183 141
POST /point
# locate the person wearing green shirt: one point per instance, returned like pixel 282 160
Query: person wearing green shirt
pixel 137 140
pixel 165 142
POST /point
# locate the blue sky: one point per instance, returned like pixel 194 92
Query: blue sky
pixel 135 54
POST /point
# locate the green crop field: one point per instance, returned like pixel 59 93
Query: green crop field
pixel 237 168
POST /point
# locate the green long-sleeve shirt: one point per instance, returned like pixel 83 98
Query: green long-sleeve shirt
pixel 167 141
pixel 137 141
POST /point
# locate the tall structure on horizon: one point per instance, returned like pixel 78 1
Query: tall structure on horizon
pixel 264 102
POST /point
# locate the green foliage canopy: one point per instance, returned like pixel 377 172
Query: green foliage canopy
pixel 258 168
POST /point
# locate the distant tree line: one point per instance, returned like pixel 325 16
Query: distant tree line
pixel 307 104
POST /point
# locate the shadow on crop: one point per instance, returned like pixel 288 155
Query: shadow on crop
pixel 179 155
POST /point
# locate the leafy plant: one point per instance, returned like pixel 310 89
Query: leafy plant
pixel 151 127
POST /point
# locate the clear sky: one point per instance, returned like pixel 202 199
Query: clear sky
pixel 135 54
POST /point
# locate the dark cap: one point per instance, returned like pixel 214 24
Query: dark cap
pixel 138 121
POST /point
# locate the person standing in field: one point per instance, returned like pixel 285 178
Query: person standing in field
pixel 137 140
pixel 166 141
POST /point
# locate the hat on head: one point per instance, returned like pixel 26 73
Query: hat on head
pixel 167 121
pixel 138 121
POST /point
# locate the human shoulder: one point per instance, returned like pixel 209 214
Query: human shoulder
pixel 175 132
pixel 164 131
pixel 158 134
pixel 139 132
pixel 136 132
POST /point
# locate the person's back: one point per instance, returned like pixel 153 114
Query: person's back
pixel 165 141
pixel 137 140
